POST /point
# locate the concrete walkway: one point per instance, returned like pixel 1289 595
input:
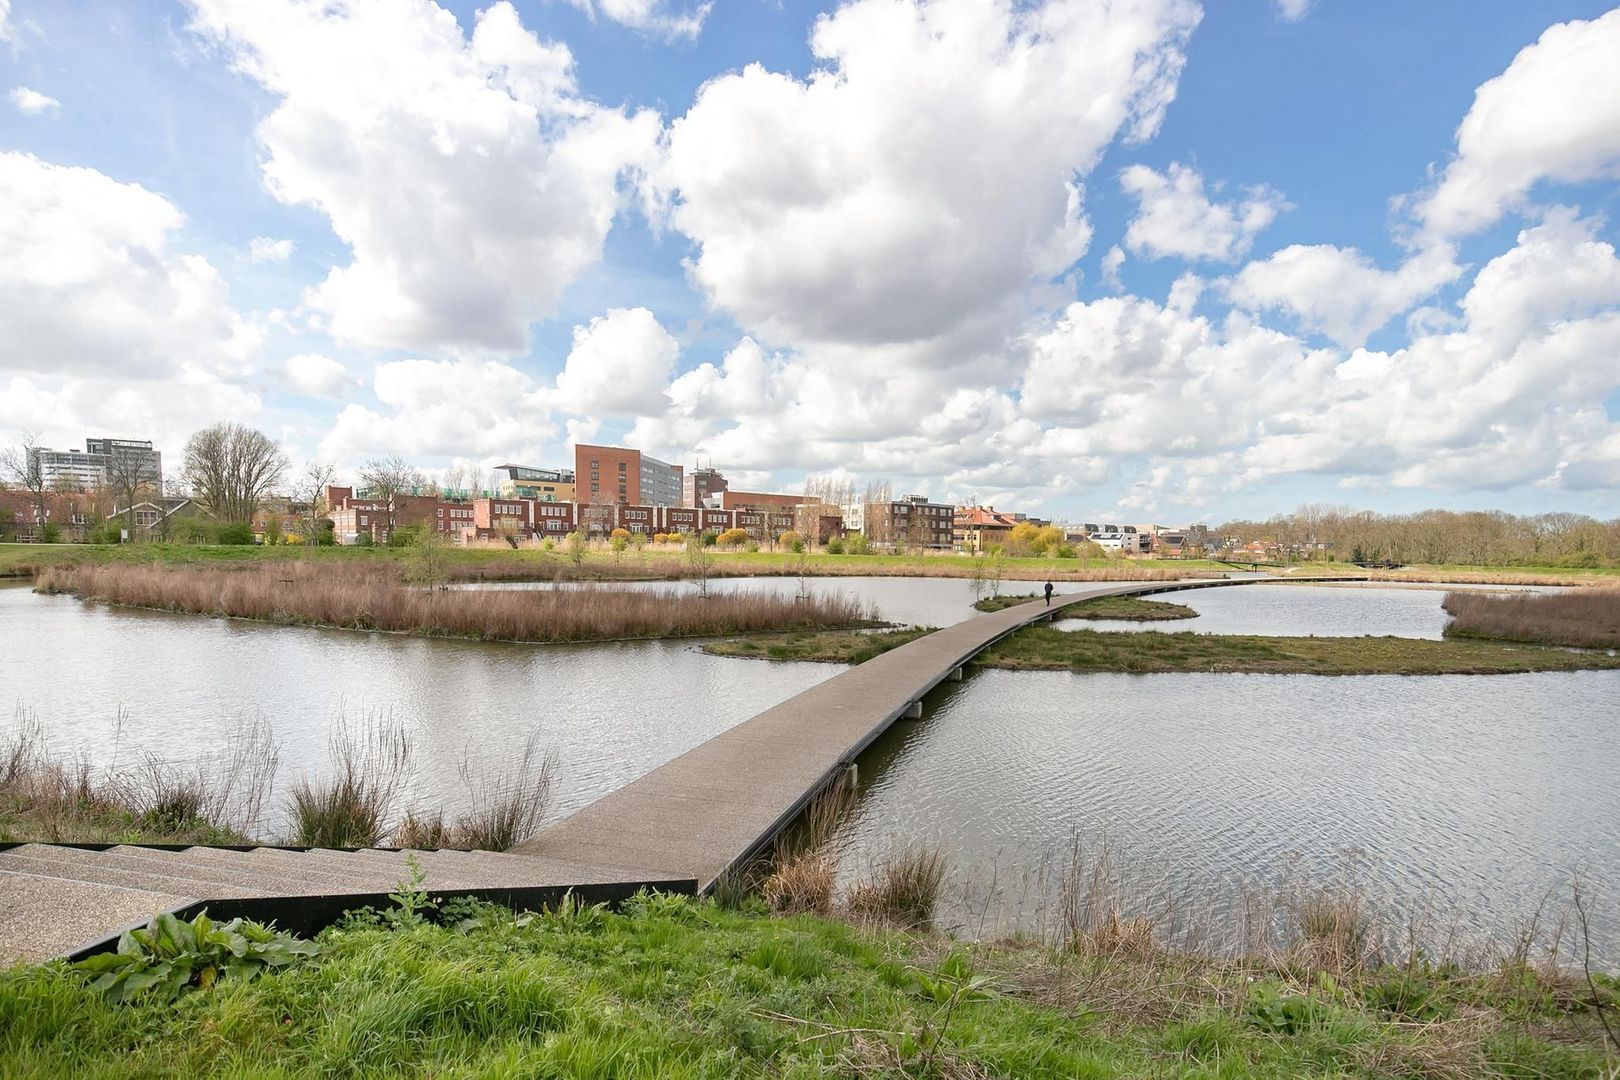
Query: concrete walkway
pixel 718 805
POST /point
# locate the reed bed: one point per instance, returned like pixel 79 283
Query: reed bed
pixel 1585 618
pixel 374 598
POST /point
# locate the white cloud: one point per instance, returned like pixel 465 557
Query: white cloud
pixel 318 376
pixel 90 284
pixel 479 408
pixel 1338 291
pixel 925 174
pixel 1292 10
pixel 469 178
pixel 1175 218
pixel 619 365
pixel 649 16
pixel 1554 114
pixel 263 249
pixel 1112 260
pixel 8 32
pixel 32 102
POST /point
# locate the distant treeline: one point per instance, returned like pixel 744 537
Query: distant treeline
pixel 1480 538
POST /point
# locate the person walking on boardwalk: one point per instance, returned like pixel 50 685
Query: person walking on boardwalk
pixel 1048 594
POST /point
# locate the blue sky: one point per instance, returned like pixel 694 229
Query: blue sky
pixel 1160 261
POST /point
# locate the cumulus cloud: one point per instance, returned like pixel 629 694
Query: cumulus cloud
pixel 477 408
pixel 90 283
pixel 470 179
pixel 317 376
pixel 32 102
pixel 649 16
pixel 1292 10
pixel 619 365
pixel 1176 218
pixel 924 174
pixel 262 249
pixel 1112 260
pixel 1554 114
pixel 1338 291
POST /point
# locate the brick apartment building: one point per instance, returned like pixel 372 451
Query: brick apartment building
pixel 979 528
pixel 615 474
pixel 911 522
pixel 699 485
pixel 72 514
pixel 355 515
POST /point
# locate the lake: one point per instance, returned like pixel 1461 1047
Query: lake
pixel 1467 796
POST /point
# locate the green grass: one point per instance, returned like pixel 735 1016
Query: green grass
pixel 675 989
pixel 1043 648
pixel 830 648
pixel 1132 608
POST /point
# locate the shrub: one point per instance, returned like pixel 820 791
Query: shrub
pixel 709 539
pixel 903 890
pixel 364 540
pixel 236 533
pixel 620 534
pixel 731 538
pixel 835 546
pixel 791 540
pixel 171 957
pixel 405 536
pixel 50 534
pixel 857 544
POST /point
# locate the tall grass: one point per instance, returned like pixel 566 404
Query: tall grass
pixel 1588 617
pixel 374 598
pixel 217 797
pixel 509 804
pixel 355 805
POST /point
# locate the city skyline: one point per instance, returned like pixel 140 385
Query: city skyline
pixel 1215 262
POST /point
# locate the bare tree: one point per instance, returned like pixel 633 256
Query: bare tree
pixel 388 478
pixel 21 465
pixel 310 491
pixel 231 468
pixel 130 474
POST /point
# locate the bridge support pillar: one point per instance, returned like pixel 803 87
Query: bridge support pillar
pixel 955 675
pixel 913 711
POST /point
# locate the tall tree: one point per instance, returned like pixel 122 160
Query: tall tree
pixel 388 478
pixel 130 475
pixel 231 468
pixel 309 490
pixel 20 464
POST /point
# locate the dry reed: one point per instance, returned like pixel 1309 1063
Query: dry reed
pixel 353 808
pixel 508 805
pixel 903 889
pixel 374 598
pixel 1588 618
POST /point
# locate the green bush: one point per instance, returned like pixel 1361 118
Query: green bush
pixel 170 958
pixel 835 546
pixel 364 540
pixel 405 536
pixel 236 533
pixel 50 534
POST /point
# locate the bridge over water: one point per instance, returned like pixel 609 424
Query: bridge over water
pixel 678 828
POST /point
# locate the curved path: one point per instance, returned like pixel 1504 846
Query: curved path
pixel 718 805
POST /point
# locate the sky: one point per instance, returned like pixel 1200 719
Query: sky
pixel 1143 259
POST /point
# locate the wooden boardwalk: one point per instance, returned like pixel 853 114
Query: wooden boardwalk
pixel 718 805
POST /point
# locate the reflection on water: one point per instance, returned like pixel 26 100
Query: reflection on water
pixel 1471 793
pixel 1295 611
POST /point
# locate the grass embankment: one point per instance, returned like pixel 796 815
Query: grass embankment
pixel 1041 648
pixel 374 598
pixel 1588 618
pixel 831 648
pixel 652 562
pixel 671 988
pixel 1130 608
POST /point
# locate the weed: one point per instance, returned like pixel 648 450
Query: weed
pixel 170 957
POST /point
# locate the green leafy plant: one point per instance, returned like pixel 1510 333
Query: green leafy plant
pixel 170 957
pixel 411 900
pixel 1282 1014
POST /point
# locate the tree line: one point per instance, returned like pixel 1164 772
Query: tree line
pixel 1465 538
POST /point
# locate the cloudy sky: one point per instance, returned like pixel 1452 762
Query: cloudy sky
pixel 1142 258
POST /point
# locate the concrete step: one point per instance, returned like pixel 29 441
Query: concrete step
pixel 42 917
pixel 230 867
pixel 73 864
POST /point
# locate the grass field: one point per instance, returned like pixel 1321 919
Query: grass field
pixel 1130 608
pixel 672 989
pixel 1041 648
